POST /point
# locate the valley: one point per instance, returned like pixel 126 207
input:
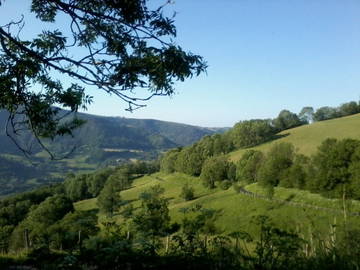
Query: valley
pixel 101 142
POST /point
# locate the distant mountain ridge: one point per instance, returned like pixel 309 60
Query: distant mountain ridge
pixel 176 133
pixel 125 133
pixel 101 141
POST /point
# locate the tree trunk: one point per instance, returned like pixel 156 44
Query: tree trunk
pixel 26 239
pixel 167 243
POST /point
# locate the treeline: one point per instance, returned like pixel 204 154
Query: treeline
pixel 326 113
pixel 86 186
pixel 332 171
pixel 190 160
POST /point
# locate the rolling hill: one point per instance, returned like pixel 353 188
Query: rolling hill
pixel 307 138
pixel 289 208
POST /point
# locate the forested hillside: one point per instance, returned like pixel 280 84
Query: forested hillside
pixel 299 151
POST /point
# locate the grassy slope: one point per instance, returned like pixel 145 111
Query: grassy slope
pixel 237 210
pixel 307 138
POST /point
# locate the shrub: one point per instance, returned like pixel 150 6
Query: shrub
pixel 187 193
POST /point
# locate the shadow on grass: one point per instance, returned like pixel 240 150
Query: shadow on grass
pixel 290 198
pixel 278 136
pixel 125 202
pixel 280 203
pixel 287 200
pixel 275 137
pixel 271 139
pixel 199 197
pixel 170 198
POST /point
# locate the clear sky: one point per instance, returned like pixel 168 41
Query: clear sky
pixel 263 56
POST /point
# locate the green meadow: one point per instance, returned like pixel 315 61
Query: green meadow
pixel 236 211
pixel 307 138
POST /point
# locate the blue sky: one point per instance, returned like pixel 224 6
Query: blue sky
pixel 263 56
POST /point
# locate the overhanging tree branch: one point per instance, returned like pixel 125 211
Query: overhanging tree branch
pixel 125 46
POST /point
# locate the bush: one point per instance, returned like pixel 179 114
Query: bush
pixel 226 184
pixel 278 160
pixel 214 170
pixel 187 193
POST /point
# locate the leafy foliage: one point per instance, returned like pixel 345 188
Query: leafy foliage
pixel 244 134
pixel 287 120
pixel 73 229
pixel 168 161
pixel 335 171
pixel 39 220
pixel 277 248
pixel 214 170
pixel 325 113
pixel 248 166
pixel 306 114
pixel 332 171
pixel 109 200
pixel 279 159
pixel 298 174
pixel 187 193
pixel 252 132
pixel 153 219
